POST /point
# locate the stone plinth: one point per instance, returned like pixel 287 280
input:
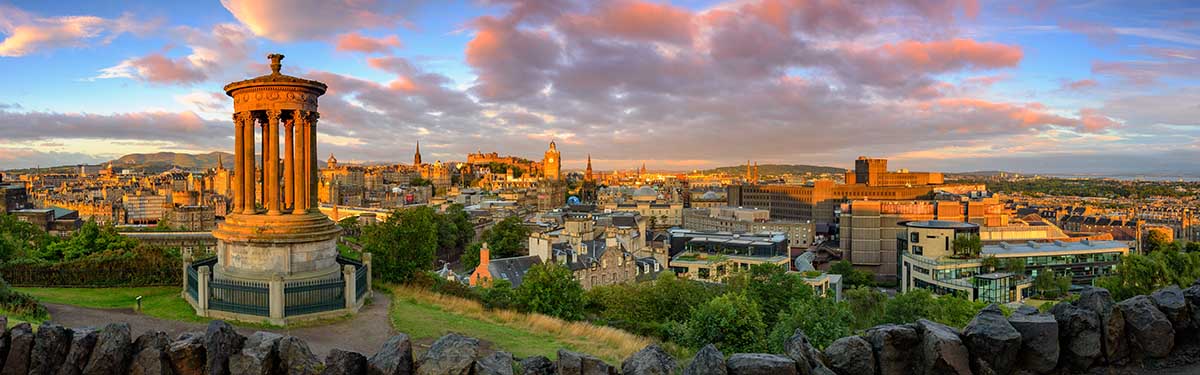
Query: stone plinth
pixel 257 247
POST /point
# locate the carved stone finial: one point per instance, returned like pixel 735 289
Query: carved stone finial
pixel 275 64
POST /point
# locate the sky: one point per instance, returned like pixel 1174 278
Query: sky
pixel 1026 86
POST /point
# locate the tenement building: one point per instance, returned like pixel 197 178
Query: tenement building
pixel 929 262
pixel 277 261
pixel 820 200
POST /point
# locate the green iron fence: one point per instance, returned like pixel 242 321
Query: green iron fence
pixel 360 282
pixel 193 286
pixel 313 296
pixel 242 297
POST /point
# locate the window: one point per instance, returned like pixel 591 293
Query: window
pixel 917 250
pixel 914 237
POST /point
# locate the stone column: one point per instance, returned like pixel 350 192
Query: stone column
pixel 275 298
pixel 312 155
pixel 289 168
pixel 202 292
pixel 238 149
pixel 350 292
pixel 271 179
pixel 300 160
pixel 366 259
pixel 246 165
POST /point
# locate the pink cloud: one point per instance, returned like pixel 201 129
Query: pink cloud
pixel 221 53
pixel 157 68
pixel 1093 121
pixel 635 20
pixel 289 20
pixel 1082 84
pixel 28 33
pixel 946 55
pixel 358 43
pixel 509 61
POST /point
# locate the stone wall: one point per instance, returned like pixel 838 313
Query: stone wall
pixel 1094 334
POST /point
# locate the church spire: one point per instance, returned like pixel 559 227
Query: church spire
pixel 417 156
pixel 587 176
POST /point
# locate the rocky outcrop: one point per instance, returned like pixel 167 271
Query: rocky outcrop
pixel 1078 335
pixel 1039 342
pixel 498 363
pixel 150 354
pixel 50 347
pixel 187 354
pixel 341 362
pixel 1171 302
pixel 1149 329
pixel 808 359
pixel 1192 296
pixel 942 350
pixel 850 355
pixel 221 341
pixel 452 354
pixel 259 355
pixel 651 360
pixel 83 340
pixel 20 345
pixel 708 361
pixel 295 358
pixel 1113 344
pixel 760 364
pixel 572 363
pixel 895 347
pixel 993 340
pixel 537 365
pixel 113 351
pixel 394 358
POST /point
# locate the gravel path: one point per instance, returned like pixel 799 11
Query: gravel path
pixel 364 333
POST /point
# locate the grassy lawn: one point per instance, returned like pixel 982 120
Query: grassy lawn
pixel 424 314
pixel 14 319
pixel 161 302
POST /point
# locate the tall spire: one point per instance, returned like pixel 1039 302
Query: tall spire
pixel 220 165
pixel 587 176
pixel 417 156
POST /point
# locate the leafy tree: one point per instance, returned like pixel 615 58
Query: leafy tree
pixel 1192 247
pixel 417 181
pixel 867 305
pixel 852 276
pixel 508 238
pixel 771 287
pixel 649 308
pixel 1015 265
pixel 551 289
pixel 402 245
pixel 733 322
pixel 498 296
pixel 990 263
pixel 1156 240
pixel 90 239
pixel 822 319
pixel 908 307
pixel 1050 284
pixel 458 215
pixel 470 258
pixel 20 239
pixel 966 245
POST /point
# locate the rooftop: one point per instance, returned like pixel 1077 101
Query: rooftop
pixel 941 224
pixel 1005 248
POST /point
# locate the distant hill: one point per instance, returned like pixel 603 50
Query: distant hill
pixel 161 161
pixel 976 174
pixel 778 169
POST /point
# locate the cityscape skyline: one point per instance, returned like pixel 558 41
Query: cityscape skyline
pixel 951 86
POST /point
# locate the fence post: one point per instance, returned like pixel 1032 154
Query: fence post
pixel 187 262
pixel 348 278
pixel 202 291
pixel 275 288
pixel 366 259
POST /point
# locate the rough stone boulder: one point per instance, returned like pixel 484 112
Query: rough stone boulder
pixel 850 355
pixel 394 358
pixel 537 365
pixel 259 355
pixel 451 354
pixel 1025 310
pixel 50 347
pixel 341 362
pixel 112 352
pixel 760 364
pixel 295 358
pixel 572 363
pixel 651 360
pixel 1171 302
pixel 1078 335
pixel 499 363
pixel 942 350
pixel 1113 344
pixel 82 342
pixel 1039 342
pixel 221 341
pixel 3 339
pixel 800 349
pixel 150 354
pixel 20 345
pixel 708 361
pixel 187 354
pixel 151 340
pixel 1192 296
pixel 1149 329
pixel 895 348
pixel 993 340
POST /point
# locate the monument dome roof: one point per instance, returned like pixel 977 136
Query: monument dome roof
pixel 276 79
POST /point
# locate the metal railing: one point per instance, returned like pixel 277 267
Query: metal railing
pixel 193 285
pixel 313 296
pixel 242 297
pixel 360 282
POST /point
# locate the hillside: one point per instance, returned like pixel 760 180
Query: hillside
pixel 161 161
pixel 778 169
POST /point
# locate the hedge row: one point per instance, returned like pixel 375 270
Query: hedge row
pixel 143 266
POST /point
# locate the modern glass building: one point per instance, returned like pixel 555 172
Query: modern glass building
pixel 928 261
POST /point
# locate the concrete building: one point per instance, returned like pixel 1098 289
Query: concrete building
pixel 928 262
pixel 144 208
pixel 747 220
pixel 711 256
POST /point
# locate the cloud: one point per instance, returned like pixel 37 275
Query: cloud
pixel 221 53
pixel 1082 84
pixel 286 21
pixel 636 20
pixel 175 127
pixel 358 43
pixel 27 33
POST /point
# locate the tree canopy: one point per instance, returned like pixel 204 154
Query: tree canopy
pixel 402 245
